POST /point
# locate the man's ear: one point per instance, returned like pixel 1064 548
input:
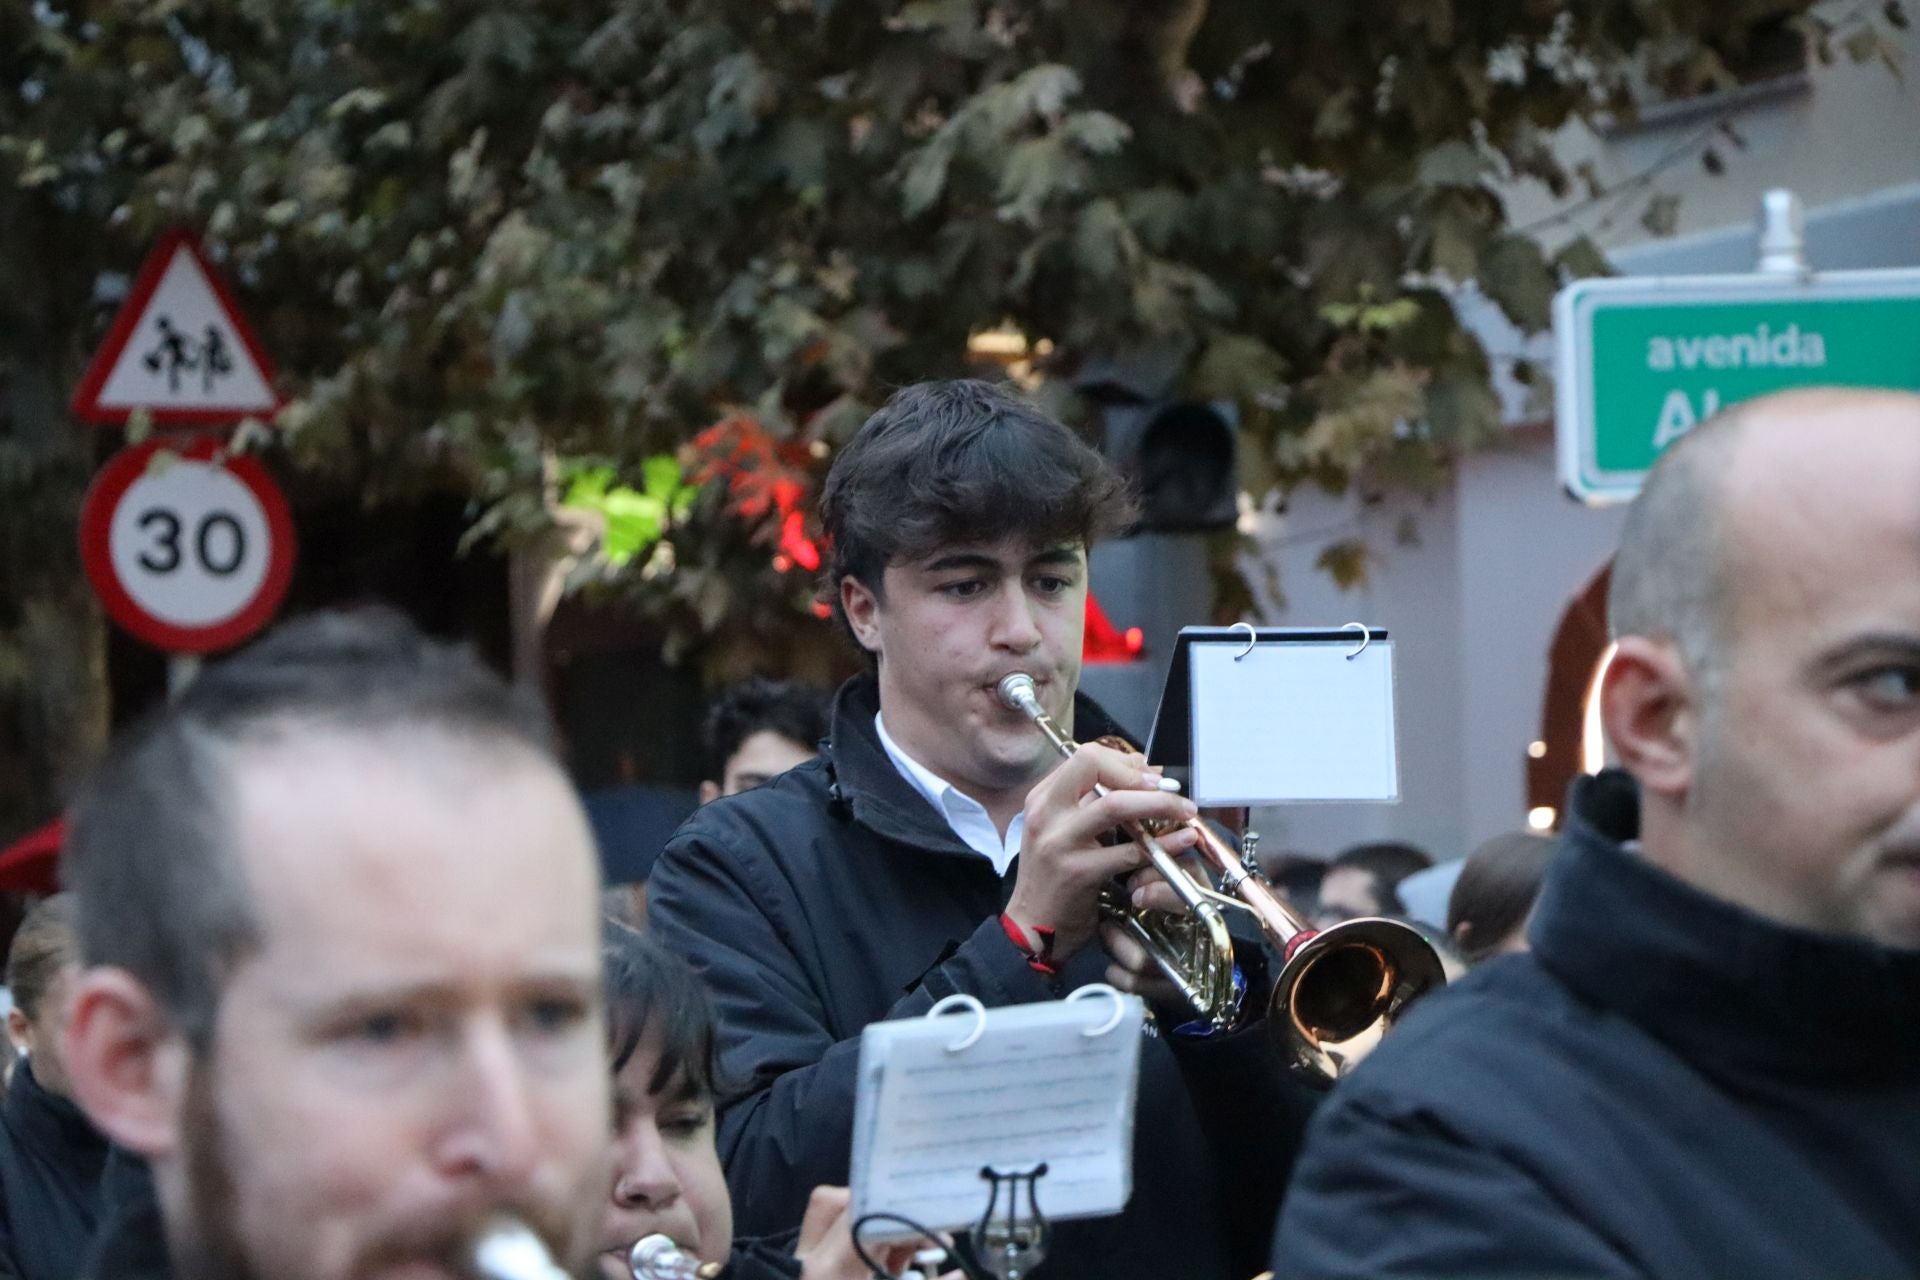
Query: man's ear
pixel 709 791
pixel 125 1062
pixel 19 1030
pixel 862 608
pixel 1650 711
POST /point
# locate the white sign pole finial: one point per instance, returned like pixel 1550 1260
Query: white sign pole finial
pixel 1783 235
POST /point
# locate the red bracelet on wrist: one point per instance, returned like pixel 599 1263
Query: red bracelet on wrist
pixel 1039 954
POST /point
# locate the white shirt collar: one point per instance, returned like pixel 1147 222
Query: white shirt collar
pixel 968 817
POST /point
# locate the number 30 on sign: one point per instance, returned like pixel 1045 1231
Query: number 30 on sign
pixel 188 550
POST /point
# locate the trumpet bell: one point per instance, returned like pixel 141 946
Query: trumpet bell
pixel 1343 987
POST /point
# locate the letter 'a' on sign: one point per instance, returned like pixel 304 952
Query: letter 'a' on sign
pixel 179 348
pixel 188 550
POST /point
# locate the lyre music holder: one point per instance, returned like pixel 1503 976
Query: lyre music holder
pixel 1013 1246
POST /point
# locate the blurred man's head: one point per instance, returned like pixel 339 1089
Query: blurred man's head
pixel 1363 879
pixel 338 907
pixel 757 730
pixel 1766 688
pixel 42 964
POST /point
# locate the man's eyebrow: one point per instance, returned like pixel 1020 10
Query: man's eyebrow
pixel 1065 554
pixel 1900 645
pixel 960 560
pixel 430 992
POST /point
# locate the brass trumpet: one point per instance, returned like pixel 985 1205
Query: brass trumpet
pixel 1338 989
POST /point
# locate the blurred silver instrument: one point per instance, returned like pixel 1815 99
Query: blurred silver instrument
pixel 657 1257
pixel 509 1250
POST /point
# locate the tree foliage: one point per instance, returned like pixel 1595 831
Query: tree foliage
pixel 505 245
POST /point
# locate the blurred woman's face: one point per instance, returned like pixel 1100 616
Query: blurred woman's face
pixel 39 1037
pixel 666 1171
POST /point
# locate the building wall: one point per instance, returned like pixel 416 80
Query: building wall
pixel 1472 608
pixel 1845 132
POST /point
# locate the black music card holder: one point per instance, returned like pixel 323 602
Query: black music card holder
pixel 1271 715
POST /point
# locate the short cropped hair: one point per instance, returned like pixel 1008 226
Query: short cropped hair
pixel 1496 890
pixel 654 995
pixel 162 890
pixel 795 711
pixel 1666 581
pixel 963 461
pixel 1388 862
pixel 45 944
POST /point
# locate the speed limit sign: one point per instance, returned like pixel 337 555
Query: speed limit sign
pixel 188 549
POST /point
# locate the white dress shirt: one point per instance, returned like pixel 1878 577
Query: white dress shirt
pixel 967 816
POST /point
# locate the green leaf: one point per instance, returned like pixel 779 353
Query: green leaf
pixel 1346 562
pixel 1661 217
pixel 1237 366
pixel 1096 132
pixel 1582 258
pixel 1453 163
pixel 1103 243
pixel 1515 275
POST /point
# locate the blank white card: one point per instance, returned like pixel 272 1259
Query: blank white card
pixel 1292 720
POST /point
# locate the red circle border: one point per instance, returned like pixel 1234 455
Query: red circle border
pixel 96 522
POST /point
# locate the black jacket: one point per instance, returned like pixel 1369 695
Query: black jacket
pixel 1668 1085
pixel 50 1163
pixel 835 896
pixel 131 1243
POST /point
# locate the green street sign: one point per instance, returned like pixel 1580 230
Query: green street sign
pixel 1640 361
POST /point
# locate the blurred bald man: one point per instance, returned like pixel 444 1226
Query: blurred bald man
pixel 1709 1064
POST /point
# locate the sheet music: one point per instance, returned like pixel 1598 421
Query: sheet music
pixel 1293 720
pixel 1033 1087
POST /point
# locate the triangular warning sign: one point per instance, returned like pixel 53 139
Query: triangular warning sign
pixel 180 349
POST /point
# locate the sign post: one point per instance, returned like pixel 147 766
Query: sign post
pixel 1642 360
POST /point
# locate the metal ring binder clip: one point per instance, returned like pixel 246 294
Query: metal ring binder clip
pixel 960 1000
pixel 1253 638
pixel 1119 1007
pixel 1366 638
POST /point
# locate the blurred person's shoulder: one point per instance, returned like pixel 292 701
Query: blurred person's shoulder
pixel 1508 1036
pixel 777 815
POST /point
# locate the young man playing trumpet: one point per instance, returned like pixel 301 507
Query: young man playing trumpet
pixel 939 845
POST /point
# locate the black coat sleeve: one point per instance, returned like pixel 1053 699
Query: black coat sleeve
pixel 1253 1116
pixel 790 1076
pixel 758 1260
pixel 1386 1192
pixel 8 1268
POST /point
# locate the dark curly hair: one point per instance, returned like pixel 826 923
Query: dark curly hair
pixel 945 463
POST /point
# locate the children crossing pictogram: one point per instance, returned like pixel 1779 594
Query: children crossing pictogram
pixel 180 349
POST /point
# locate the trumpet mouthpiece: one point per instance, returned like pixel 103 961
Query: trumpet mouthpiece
pixel 509 1250
pixel 1017 692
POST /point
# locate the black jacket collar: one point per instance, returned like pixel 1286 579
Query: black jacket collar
pixel 48 1123
pixel 1733 992
pixel 132 1243
pixel 863 777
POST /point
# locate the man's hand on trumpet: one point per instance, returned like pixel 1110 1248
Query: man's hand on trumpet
pixel 1064 860
pixel 1133 968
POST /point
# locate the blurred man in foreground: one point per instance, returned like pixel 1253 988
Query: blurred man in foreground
pixel 338 904
pixel 1709 1064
